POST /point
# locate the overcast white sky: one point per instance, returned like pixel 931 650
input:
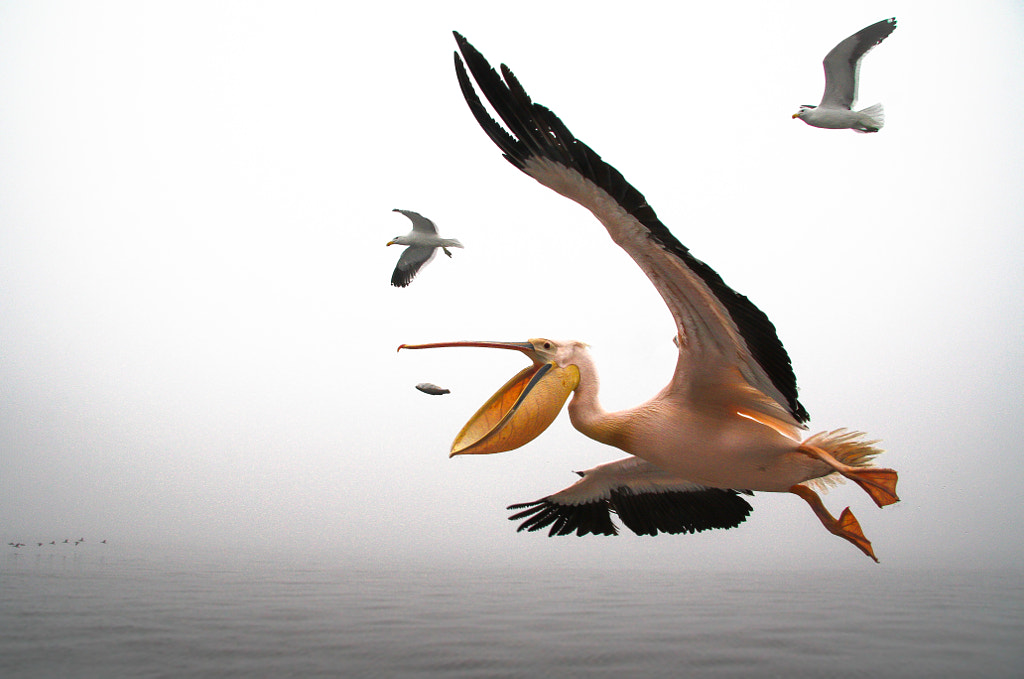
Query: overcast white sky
pixel 197 331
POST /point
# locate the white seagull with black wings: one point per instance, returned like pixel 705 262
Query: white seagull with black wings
pixel 423 242
pixel 728 422
pixel 842 73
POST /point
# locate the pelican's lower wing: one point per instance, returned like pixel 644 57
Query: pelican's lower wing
pixel 646 499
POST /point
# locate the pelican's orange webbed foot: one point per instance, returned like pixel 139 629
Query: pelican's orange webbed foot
pixel 880 484
pixel 846 527
pixel 877 482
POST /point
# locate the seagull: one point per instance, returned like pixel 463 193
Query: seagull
pixel 432 389
pixel 423 242
pixel 842 66
pixel 728 423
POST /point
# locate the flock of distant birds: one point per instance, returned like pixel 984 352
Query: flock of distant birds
pixel 67 541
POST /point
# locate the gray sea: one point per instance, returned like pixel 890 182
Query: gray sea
pixel 105 613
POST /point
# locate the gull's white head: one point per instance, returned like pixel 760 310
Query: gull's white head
pixel 400 240
pixel 804 110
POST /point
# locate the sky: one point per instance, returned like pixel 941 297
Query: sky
pixel 198 334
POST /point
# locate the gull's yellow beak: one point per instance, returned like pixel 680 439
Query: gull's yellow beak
pixel 518 412
pixel 795 115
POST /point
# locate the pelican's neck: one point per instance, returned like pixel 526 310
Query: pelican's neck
pixel 586 413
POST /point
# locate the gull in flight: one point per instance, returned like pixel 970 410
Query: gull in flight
pixel 727 424
pixel 842 66
pixel 423 242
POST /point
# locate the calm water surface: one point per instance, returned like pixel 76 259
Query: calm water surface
pixel 107 614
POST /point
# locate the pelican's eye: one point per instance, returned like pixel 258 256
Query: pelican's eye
pixel 547 345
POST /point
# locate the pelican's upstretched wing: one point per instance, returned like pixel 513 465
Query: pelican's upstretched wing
pixel 420 223
pixel 646 499
pixel 842 63
pixel 717 326
pixel 412 260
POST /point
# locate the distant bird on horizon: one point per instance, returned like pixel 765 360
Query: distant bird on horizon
pixel 423 242
pixel 432 389
pixel 842 67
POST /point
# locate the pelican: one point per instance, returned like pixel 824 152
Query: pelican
pixel 842 65
pixel 423 242
pixel 727 424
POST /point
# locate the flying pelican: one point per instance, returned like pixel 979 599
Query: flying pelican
pixel 423 242
pixel 842 65
pixel 727 423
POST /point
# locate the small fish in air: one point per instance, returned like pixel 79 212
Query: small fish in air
pixel 432 389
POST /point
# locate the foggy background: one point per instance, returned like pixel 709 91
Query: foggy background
pixel 197 330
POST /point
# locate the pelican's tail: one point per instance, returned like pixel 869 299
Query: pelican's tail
pixel 871 119
pixel 848 447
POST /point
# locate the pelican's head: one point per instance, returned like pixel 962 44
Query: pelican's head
pixel 804 110
pixel 528 403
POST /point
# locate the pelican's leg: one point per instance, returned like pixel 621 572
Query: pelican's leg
pixel 446 251
pixel 877 482
pixel 846 527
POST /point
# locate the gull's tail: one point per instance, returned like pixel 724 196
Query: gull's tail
pixel 871 119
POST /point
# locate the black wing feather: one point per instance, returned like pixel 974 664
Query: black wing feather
pixel 643 513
